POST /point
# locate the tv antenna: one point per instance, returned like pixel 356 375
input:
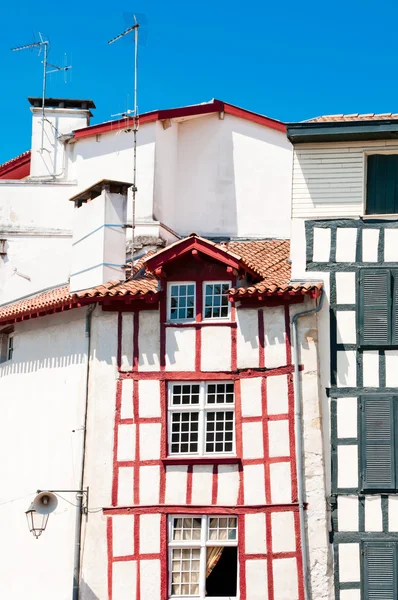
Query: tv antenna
pixel 134 28
pixel 43 45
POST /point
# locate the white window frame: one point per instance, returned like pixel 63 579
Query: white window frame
pixel 203 544
pixel 202 408
pixel 228 317
pixel 6 345
pixel 180 283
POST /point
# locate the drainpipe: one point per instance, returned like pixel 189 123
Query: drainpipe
pixel 79 508
pixel 298 428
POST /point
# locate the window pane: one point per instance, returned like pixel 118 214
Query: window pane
pixel 182 301
pixel 222 528
pixel 221 393
pixel 216 300
pixel 184 437
pixel 185 571
pixel 186 394
pixel 218 437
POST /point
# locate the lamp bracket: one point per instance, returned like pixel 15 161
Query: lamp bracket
pixel 80 495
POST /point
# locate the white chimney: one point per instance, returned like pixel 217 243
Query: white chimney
pixel 61 117
pixel 99 235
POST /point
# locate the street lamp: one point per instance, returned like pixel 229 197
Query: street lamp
pixel 36 522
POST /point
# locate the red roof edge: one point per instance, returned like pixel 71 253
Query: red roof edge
pixel 189 244
pixel 184 111
pixel 16 168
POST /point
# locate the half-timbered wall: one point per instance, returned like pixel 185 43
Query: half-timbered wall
pixel 258 484
pixel 340 250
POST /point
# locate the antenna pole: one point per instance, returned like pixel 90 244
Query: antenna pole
pixel 135 127
pixel 45 44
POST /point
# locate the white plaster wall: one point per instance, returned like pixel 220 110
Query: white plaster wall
pixel 233 170
pixel 36 221
pixel 99 449
pixel 216 349
pixel 247 338
pixel 180 349
pixel 228 485
pixel 274 337
pixel 41 393
pixel 111 157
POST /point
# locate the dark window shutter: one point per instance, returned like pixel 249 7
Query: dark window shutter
pixel 375 307
pixel 395 309
pixel 379 566
pixel 378 443
pixel 382 184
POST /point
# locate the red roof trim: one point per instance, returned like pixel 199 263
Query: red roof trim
pixel 182 247
pixel 184 111
pixel 16 168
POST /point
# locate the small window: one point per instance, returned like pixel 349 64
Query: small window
pixel 378 303
pixel 6 345
pixel 379 442
pixel 382 184
pixel 203 557
pixel 201 418
pixel 216 305
pixel 181 301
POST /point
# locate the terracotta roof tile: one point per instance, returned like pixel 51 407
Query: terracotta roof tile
pixel 267 258
pixel 353 117
pixel 9 162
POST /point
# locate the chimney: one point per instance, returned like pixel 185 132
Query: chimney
pixel 61 118
pixel 99 235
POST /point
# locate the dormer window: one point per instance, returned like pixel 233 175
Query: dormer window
pixel 215 301
pixel 181 301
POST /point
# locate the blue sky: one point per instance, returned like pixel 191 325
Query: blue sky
pixel 289 60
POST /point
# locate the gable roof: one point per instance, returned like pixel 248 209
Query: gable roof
pixel 184 112
pixel 268 259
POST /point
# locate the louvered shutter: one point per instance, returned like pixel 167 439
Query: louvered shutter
pixel 380 570
pixel 375 307
pixel 378 443
pixel 395 308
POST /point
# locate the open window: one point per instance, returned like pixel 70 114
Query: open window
pixel 203 557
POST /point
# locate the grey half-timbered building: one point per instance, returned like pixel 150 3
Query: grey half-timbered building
pixel 345 232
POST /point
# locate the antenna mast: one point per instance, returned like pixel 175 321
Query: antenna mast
pixel 42 45
pixel 135 126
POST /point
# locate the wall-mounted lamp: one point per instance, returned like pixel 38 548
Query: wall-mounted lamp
pixel 45 503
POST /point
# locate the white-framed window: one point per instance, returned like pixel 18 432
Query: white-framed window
pixel 181 305
pixel 6 345
pixel 203 557
pixel 201 418
pixel 215 299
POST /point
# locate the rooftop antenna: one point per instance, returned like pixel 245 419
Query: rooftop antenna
pixel 42 45
pixel 134 112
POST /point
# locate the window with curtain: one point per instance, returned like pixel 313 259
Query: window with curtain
pixel 203 556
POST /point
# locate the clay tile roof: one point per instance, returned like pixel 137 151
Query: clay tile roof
pixel 266 258
pixel 16 158
pixel 353 117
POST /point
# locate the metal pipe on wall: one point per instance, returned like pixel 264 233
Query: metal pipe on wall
pixel 79 508
pixel 299 443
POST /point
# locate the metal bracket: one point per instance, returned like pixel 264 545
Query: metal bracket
pixel 80 495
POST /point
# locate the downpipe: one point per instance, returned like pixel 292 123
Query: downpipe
pixel 79 508
pixel 298 428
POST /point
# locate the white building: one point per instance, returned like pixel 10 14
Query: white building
pixel 170 394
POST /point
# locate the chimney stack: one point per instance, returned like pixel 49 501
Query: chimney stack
pixel 99 235
pixel 61 117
